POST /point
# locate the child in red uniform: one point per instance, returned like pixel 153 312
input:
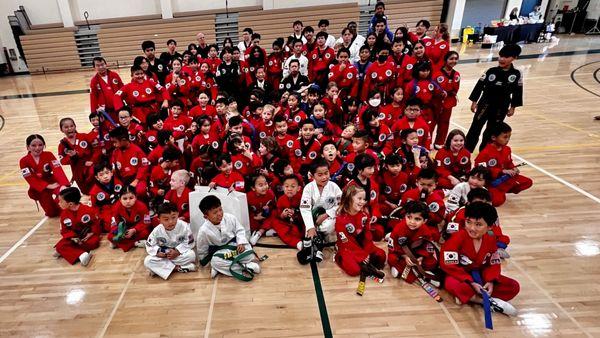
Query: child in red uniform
pixel 228 178
pixel 393 183
pixel 380 75
pixel 319 60
pixel 474 249
pixel 414 157
pixel 160 175
pixel 105 193
pixel 180 193
pixel 394 111
pixel 412 119
pixel 44 174
pixel 449 80
pixel 285 140
pixel 344 74
pixel 75 149
pixel 130 222
pixel 177 122
pixel 453 162
pixel 360 145
pixel 287 221
pixel 203 107
pixel 426 192
pixel 437 47
pixel 306 148
pixel 79 228
pixel 380 135
pixel 261 204
pixel 426 90
pixel 129 161
pixel 356 249
pixel 364 168
pixel 496 155
pixel 411 234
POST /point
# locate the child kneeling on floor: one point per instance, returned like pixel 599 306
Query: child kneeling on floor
pixel 222 242
pixel 170 245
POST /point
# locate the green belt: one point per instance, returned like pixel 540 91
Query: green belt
pixel 246 275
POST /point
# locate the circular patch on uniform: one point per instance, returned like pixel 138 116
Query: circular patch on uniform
pixel 262 134
pixel 137 218
pixel 402 240
pixel 349 76
pixel 388 72
pixel 185 207
pixel 409 66
pixel 160 67
pixel 442 46
pixel 118 187
pixel 131 138
pixel 428 43
pixel 387 190
pixel 133 161
pixel 447 160
pixel 118 164
pixel 182 82
pixel 115 81
pixel 271 63
pixel 314 56
pixel 417 89
pixel 430 87
pixel 312 155
pixel 350 228
pixel 298 152
pixel 289 143
pixel 100 196
pixel 350 166
pixel 198 78
pixel 217 73
pixel 151 138
pixel 434 207
pixel 457 78
pixel 67 222
pixel 106 137
pixel 512 78
pixel 83 144
pixel 492 162
pixel 47 167
pixel 329 75
pixel 492 77
pixel 381 137
pixel 86 218
pixel 373 195
pixel 251 69
pixel 374 75
pixel 440 79
pixel 136 93
pixel 464 160
pixel 238 165
pixel 297 119
pixel 327 55
pixel 403 188
pixel 420 132
pixel 288 85
pixel 364 221
pixel 208 85
pixel 281 86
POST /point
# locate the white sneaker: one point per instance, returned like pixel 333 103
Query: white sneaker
pixel 84 258
pixel 213 273
pixel 140 244
pixel 395 272
pixel 55 254
pixel 187 268
pixel 253 266
pixel 255 237
pixel 498 305
pixel 299 246
pixel 271 233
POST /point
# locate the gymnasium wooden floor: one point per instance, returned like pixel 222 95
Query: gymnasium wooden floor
pixel 554 226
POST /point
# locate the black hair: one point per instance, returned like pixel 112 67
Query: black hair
pixel 32 137
pixel 163 136
pixel 291 177
pixel 318 163
pixel 343 50
pixel 511 50
pixel 421 66
pixel 427 174
pixel 248 30
pixel 208 203
pixel 306 121
pixel 295 41
pixel 279 118
pixel 326 143
pixel 224 157
pixel 363 161
pixel 363 134
pixel 166 208
pixel 480 194
pixel 101 166
pixel 63 120
pixel 279 165
pixel 500 128
pixel 405 132
pixel 120 133
pixel 279 42
pixel 294 61
pixel 297 22
pixel 481 210
pixel 71 194
pixel 322 34
pixel 171 154
pixel 413 101
pixel 323 22
pixel 393 159
pixel 171 41
pixel 417 207
pixel 222 100
pixel 425 23
pixel 255 36
pixel 135 68
pixel 99 59
pixel 235 121
pixel 148 44
pixel 128 189
pixel 176 103
pixel 451 135
pixel 152 119
pixel 481 172
pixel 380 4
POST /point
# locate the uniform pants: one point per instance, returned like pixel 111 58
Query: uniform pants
pixel 506 288
pixel 223 265
pixel 350 261
pixel 47 201
pixel 513 185
pixel 441 119
pixel 287 232
pixel 127 243
pixel 71 251
pixel 377 231
pixel 164 266
pixel 398 262
pixel 105 218
pixel 485 114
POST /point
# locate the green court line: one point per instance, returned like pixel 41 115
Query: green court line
pixel 321 301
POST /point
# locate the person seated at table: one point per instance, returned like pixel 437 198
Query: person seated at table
pixel 514 14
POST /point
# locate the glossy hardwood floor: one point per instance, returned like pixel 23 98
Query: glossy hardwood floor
pixel 554 228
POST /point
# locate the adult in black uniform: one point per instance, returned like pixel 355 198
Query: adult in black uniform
pixel 171 53
pixel 295 80
pixel 157 66
pixel 228 74
pixel 496 95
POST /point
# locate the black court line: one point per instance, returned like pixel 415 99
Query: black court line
pixel 534 56
pixel 321 301
pixel 27 96
pixel 580 85
pixel 596 75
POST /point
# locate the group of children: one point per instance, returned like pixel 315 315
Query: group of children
pixel 332 142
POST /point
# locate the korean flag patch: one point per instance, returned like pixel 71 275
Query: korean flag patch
pixel 451 257
pixel 452 227
pixel 26 172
